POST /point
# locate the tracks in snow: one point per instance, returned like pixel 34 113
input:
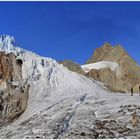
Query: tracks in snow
pixel 70 113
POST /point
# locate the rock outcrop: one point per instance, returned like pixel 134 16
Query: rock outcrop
pixel 125 79
pixel 13 89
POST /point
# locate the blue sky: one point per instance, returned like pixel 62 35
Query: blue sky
pixel 72 30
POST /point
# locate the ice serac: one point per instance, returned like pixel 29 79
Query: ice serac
pixel 8 45
pixel 126 78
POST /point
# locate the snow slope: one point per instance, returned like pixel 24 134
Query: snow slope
pixel 113 66
pixel 49 81
pixel 64 104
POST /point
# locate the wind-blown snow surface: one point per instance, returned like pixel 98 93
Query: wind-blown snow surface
pixel 113 66
pixel 63 104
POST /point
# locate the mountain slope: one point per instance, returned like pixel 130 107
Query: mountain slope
pixel 64 104
pixel 72 66
pixel 45 76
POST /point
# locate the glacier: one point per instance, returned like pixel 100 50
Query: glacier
pixel 113 66
pixel 64 104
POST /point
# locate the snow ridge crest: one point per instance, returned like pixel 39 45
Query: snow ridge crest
pixel 8 45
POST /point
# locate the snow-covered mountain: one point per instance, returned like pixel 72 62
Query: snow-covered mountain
pixel 64 104
pixel 45 75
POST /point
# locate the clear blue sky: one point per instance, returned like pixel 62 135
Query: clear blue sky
pixel 72 30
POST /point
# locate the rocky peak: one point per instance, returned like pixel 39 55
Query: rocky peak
pixel 108 53
pixel 107 45
pixel 126 78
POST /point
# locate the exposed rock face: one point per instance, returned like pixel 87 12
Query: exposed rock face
pixel 125 79
pixel 110 79
pixel 13 90
pixel 10 68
